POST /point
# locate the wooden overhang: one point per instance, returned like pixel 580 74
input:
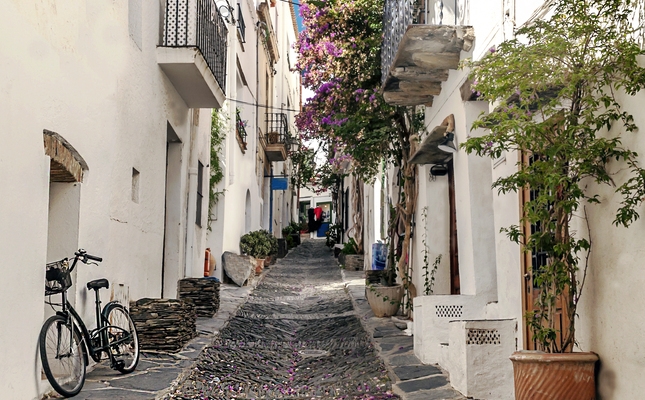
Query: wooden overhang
pixel 66 164
pixel 428 152
pixel 425 55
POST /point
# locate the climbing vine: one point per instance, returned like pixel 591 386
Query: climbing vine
pixel 218 134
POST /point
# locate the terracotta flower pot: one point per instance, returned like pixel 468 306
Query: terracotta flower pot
pixel 259 266
pixel 384 308
pixel 554 376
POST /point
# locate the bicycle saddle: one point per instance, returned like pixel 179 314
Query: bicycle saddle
pixel 98 283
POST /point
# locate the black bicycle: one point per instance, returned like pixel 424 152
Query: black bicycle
pixel 64 340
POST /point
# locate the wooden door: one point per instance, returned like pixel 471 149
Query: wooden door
pixel 532 260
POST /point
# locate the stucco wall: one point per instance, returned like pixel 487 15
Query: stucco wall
pixel 74 68
pixel 612 300
pixel 255 90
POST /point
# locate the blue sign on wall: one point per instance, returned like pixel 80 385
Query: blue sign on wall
pixel 279 183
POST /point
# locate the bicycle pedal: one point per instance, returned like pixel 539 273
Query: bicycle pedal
pixel 118 364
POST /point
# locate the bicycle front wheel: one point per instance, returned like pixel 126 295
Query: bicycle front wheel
pixel 123 339
pixel 62 355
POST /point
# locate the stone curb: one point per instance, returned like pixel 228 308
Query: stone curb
pixel 411 380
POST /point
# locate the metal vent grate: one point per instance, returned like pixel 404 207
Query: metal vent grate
pixel 483 336
pixel 449 311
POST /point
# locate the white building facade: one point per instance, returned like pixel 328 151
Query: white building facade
pixel 474 320
pixel 106 109
pixel 263 99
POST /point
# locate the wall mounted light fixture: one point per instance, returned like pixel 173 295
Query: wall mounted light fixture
pixel 447 144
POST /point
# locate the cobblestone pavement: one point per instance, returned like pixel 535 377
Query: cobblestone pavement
pixel 296 337
pixel 156 372
pixel 294 334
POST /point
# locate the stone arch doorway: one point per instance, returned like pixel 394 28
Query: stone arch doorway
pixel 247 212
pixel 65 176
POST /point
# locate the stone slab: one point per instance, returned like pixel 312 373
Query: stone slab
pixel 431 382
pixel 407 372
pixel 404 359
pixel 115 394
pixel 238 268
pixel 151 381
pixel 436 394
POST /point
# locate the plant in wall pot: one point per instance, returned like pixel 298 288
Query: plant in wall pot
pixel 557 90
pixel 258 245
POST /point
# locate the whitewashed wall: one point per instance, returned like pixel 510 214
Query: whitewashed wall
pixel 244 173
pixel 81 70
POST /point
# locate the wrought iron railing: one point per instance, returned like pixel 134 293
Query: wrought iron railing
pixel 241 25
pixel 197 23
pixel 399 14
pixel 240 129
pixel 277 128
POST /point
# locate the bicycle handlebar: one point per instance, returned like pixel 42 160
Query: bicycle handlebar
pixel 95 258
pixel 83 256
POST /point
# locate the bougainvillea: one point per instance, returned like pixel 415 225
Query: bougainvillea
pixel 340 60
pixel 339 57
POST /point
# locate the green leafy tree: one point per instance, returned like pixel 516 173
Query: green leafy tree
pixel 557 93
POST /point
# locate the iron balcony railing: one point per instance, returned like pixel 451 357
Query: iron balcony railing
pixel 240 129
pixel 399 14
pixel 197 23
pixel 277 129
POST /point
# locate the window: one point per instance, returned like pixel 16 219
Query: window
pixel 135 185
pixel 241 26
pixel 200 195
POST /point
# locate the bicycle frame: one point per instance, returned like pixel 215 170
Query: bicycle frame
pixel 101 331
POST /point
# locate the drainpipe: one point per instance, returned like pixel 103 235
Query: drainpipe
pixel 271 202
pixel 257 110
pixel 191 209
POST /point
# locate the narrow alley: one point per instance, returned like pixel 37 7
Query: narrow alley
pixel 297 336
pixel 302 330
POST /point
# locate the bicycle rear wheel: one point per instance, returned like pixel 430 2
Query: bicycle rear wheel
pixel 62 355
pixel 123 339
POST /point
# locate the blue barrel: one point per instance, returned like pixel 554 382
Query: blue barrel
pixel 324 227
pixel 379 256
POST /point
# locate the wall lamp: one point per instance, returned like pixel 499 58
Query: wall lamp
pixel 224 9
pixel 438 170
pixel 447 144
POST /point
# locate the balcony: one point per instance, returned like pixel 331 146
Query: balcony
pixel 193 53
pixel 240 131
pixel 278 139
pixel 268 37
pixel 419 48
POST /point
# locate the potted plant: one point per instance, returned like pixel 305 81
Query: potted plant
pixel 271 258
pixel 384 294
pixel 558 107
pixel 257 245
pixel 350 257
pixel 292 231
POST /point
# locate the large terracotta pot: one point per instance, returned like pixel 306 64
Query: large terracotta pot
pixel 549 376
pixel 384 308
